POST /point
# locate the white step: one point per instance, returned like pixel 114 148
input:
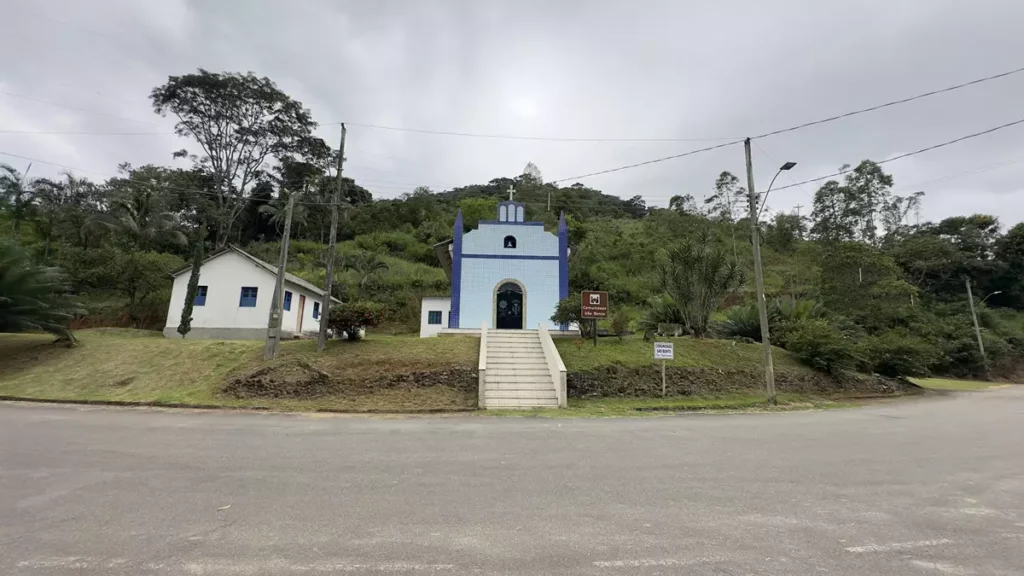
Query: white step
pixel 518 371
pixel 518 403
pixel 545 386
pixel 533 350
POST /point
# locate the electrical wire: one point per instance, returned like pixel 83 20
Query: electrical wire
pixel 516 137
pixel 59 105
pixel 646 162
pixel 892 103
pixel 914 153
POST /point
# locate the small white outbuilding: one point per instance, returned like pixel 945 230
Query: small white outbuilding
pixel 233 300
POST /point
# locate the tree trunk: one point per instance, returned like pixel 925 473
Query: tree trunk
pixel 185 324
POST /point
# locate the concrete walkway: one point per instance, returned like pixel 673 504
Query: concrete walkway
pixel 927 486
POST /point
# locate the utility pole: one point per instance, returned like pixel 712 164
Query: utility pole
pixel 762 309
pixel 549 201
pixel 321 341
pixel 977 329
pixel 274 322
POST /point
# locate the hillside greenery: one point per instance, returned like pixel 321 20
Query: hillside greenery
pixel 855 285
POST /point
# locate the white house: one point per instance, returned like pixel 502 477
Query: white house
pixel 233 300
pixel 434 315
pixel 508 273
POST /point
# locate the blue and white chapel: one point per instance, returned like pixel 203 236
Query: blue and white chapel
pixel 507 273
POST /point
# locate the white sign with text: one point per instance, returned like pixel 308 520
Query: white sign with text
pixel 663 351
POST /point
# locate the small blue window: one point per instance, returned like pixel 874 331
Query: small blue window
pixel 200 296
pixel 248 299
pixel 434 317
pixel 316 310
pixel 287 300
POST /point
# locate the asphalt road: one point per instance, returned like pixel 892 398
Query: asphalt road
pixel 928 486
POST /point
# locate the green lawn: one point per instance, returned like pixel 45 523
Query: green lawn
pixel 140 366
pixel 944 384
pixel 581 355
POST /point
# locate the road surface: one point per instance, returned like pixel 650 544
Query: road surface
pixel 930 486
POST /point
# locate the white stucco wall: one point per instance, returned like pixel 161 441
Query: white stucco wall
pixel 481 276
pixel 444 305
pixel 531 240
pixel 224 277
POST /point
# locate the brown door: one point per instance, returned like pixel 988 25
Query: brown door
pixel 302 312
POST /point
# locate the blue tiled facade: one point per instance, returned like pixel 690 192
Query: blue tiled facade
pixel 508 249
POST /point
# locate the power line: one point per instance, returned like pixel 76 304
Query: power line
pixel 59 105
pixel 656 160
pixel 905 189
pixel 807 124
pixel 914 153
pixel 517 137
pixel 888 104
pixel 49 133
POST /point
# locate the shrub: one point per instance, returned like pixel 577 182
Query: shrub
pixel 568 312
pixel 744 321
pixel 821 346
pixel 661 310
pixel 351 317
pixel 900 353
pixel 620 323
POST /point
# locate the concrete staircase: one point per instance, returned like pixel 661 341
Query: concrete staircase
pixel 517 371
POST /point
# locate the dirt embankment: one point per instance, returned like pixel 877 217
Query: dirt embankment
pixel 298 379
pixel 645 381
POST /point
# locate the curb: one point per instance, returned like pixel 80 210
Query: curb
pixel 158 404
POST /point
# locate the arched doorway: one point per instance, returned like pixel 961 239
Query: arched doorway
pixel 509 305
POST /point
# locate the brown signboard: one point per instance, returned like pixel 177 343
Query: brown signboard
pixel 593 305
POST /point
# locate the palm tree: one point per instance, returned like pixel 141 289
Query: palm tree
pixel 33 298
pixel 18 193
pixel 366 264
pixel 137 213
pixel 698 276
pixel 277 209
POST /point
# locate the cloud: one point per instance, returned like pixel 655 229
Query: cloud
pixel 587 69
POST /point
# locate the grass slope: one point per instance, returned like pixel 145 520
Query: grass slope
pixel 580 355
pixel 139 366
pixel 946 384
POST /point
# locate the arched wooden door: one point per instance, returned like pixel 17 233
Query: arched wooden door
pixel 508 306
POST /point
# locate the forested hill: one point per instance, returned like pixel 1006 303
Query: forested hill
pixel 857 283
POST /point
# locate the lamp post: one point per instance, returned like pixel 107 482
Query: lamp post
pixel 977 328
pixel 784 168
pixel 755 239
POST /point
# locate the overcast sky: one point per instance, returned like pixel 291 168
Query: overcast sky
pixel 570 69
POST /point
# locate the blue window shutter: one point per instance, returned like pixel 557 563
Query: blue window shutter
pixel 200 296
pixel 287 300
pixel 316 310
pixel 247 299
pixel 434 317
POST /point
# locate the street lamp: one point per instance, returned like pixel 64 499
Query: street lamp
pixel 990 295
pixel 784 168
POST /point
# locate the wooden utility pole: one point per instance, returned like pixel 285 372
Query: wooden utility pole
pixel 321 341
pixel 274 322
pixel 762 306
pixel 977 328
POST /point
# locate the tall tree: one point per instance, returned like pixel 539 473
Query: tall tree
pixel 18 192
pixel 239 121
pixel 141 207
pixel 726 203
pixel 684 204
pixel 63 207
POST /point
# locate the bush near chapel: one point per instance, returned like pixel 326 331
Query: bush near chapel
pixel 351 317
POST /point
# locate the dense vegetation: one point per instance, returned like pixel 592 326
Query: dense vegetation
pixel 854 285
